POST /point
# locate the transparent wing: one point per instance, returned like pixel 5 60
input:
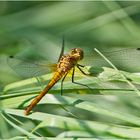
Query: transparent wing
pixel 62 49
pixel 125 59
pixel 121 58
pixel 28 68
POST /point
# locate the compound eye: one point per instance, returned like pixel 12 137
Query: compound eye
pixel 73 51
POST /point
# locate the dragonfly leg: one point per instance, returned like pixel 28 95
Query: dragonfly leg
pixel 78 82
pixel 78 66
pixel 62 83
pixel 81 65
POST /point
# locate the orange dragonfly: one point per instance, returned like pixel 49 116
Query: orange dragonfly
pixel 65 64
pixel 70 61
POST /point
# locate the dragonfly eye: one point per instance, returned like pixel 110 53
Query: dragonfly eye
pixel 73 51
pixel 77 53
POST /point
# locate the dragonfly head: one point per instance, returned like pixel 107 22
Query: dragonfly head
pixel 77 53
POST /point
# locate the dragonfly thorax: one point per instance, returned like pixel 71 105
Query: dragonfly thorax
pixel 69 60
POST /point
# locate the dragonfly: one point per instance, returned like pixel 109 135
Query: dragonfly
pixel 66 63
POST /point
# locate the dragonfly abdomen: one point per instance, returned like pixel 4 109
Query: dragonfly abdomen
pixel 57 76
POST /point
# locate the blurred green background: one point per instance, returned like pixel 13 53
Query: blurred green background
pixel 34 30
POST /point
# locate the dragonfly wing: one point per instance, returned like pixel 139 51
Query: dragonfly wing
pixel 121 58
pixel 62 49
pixel 27 68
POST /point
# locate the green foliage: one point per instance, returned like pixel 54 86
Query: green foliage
pixel 34 30
pixel 79 112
